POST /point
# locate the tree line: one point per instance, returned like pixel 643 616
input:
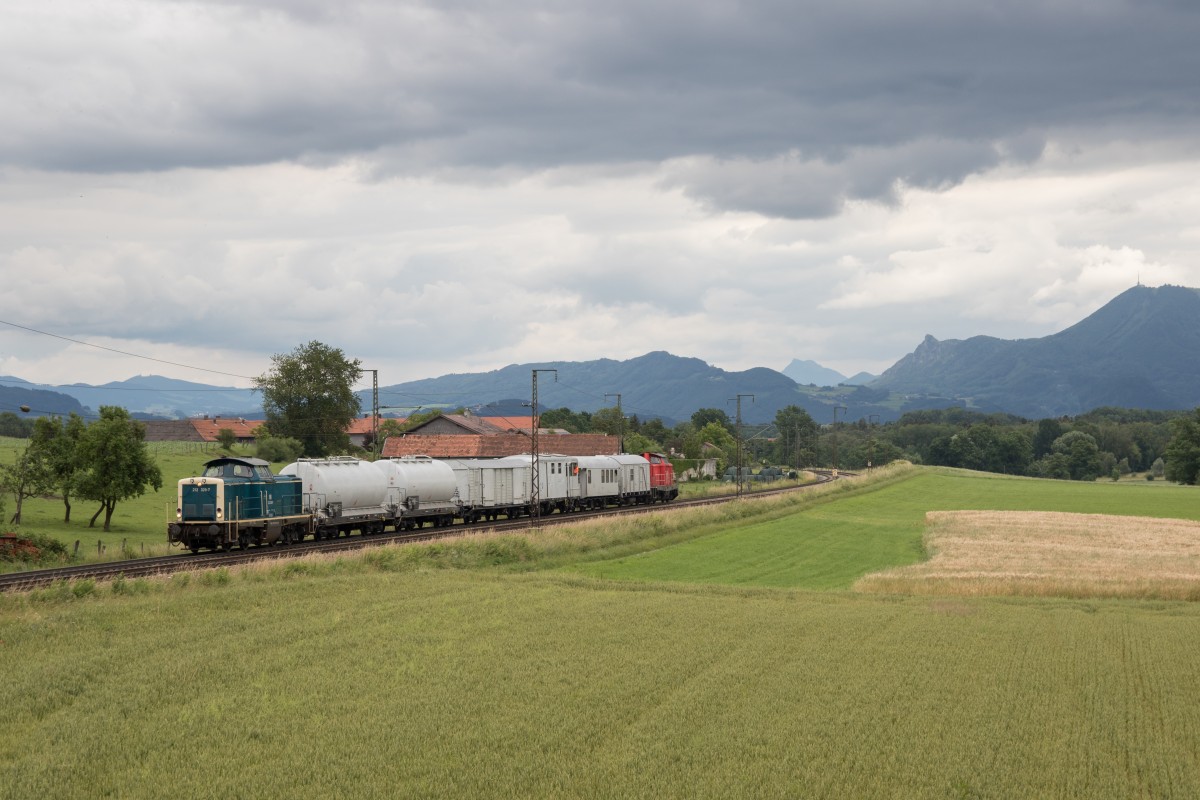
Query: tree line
pixel 1104 443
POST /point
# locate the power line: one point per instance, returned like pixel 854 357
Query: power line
pixel 124 353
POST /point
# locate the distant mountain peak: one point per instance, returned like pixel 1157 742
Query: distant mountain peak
pixel 810 372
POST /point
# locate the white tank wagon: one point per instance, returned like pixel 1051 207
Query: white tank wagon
pixel 425 489
pixel 344 494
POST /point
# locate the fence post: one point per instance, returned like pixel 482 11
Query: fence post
pixel 76 553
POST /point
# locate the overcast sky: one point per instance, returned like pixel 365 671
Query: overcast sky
pixel 458 185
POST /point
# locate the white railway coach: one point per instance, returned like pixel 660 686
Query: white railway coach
pixel 599 483
pixel 633 475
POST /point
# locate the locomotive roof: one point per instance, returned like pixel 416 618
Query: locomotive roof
pixel 250 462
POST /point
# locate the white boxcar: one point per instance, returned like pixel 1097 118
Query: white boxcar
pixel 489 487
pixel 426 490
pixel 345 493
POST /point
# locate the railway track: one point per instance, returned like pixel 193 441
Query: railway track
pixel 164 565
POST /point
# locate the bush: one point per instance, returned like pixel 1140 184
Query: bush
pixel 278 448
pixel 32 548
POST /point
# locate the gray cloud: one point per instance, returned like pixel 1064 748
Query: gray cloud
pixel 852 98
pixel 503 182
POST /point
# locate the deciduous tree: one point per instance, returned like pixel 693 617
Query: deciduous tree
pixel 227 439
pixel 1183 453
pixel 58 439
pixel 114 464
pixel 28 476
pixel 308 395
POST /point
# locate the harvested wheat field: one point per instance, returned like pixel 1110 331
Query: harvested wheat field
pixel 1050 554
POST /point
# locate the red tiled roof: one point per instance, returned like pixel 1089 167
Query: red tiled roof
pixel 497 445
pixel 209 428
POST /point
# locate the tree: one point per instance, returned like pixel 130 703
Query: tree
pixel 1081 453
pixel 706 415
pixel 716 434
pixel 226 438
pixel 1048 430
pixel 114 464
pixel 14 426
pixel 655 429
pixel 28 476
pixel 278 449
pixel 390 427
pixel 1183 453
pixel 56 442
pixel 609 420
pixel 797 443
pixel 640 443
pixel 566 419
pixel 308 395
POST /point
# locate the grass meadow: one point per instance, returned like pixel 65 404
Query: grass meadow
pixel 702 653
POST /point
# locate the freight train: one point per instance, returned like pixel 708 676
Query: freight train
pixel 238 501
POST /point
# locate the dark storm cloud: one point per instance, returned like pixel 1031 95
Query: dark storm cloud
pixel 784 108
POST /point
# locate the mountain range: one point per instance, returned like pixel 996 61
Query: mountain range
pixel 1141 350
pixel 145 396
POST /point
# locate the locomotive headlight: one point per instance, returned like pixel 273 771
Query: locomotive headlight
pixel 220 513
pixel 179 513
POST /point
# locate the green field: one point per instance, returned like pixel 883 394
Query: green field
pixel 392 674
pixel 831 546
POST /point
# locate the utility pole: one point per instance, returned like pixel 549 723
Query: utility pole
pixel 621 430
pixel 738 439
pixel 535 484
pixel 374 414
pixel 835 461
